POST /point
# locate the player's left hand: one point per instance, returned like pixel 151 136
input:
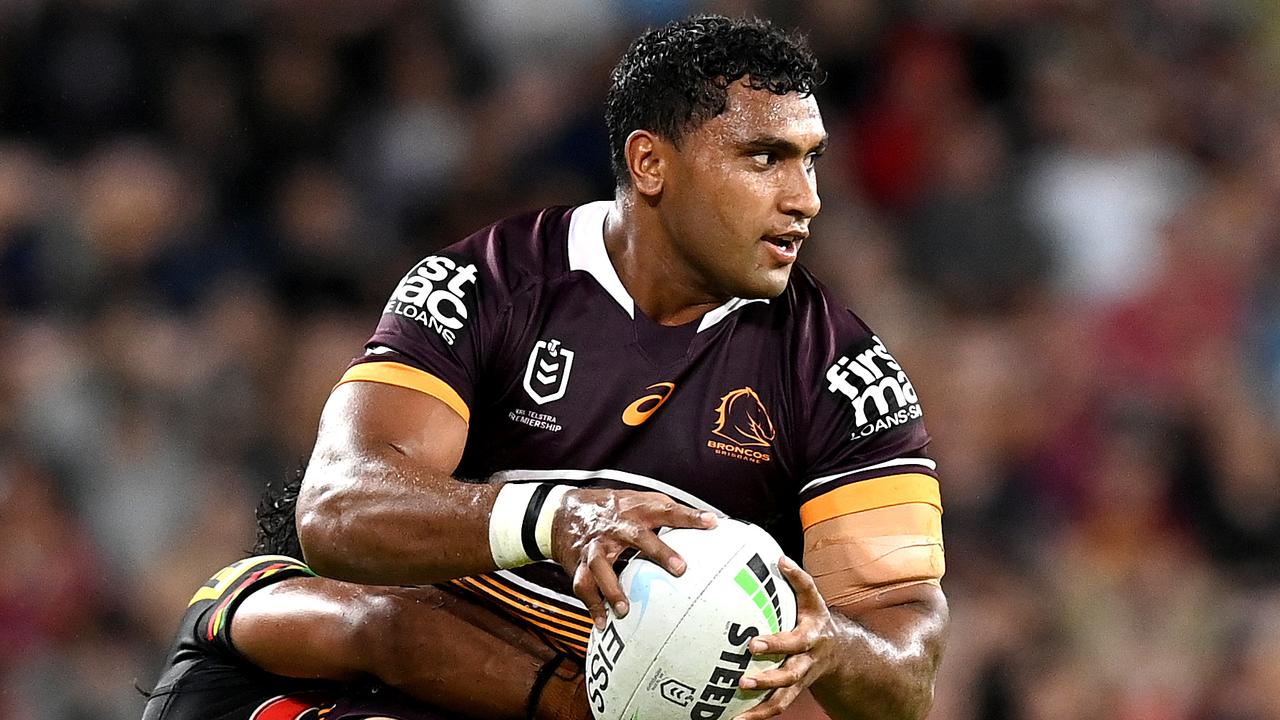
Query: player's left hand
pixel 810 647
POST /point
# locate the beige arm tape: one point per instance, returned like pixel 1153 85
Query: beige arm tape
pixel 855 556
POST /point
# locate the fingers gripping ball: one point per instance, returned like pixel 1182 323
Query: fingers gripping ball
pixel 682 648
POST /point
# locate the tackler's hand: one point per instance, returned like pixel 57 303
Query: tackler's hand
pixel 593 527
pixel 810 648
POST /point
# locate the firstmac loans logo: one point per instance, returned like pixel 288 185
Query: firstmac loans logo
pixel 432 294
pixel 877 387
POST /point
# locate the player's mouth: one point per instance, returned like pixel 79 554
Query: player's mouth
pixel 784 248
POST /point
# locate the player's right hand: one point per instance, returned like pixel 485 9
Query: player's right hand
pixel 594 526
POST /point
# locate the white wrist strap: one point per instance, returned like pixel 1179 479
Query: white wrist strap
pixel 520 523
pixel 547 515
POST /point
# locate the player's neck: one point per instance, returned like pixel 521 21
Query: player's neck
pixel 643 256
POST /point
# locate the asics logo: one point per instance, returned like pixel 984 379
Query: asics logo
pixel 640 410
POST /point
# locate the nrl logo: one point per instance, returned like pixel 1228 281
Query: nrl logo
pixel 546 377
pixel 676 692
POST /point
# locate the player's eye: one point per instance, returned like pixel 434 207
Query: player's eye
pixel 811 160
pixel 764 158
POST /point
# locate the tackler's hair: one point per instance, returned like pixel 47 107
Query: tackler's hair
pixel 277 527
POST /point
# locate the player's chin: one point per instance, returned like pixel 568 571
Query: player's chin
pixel 766 283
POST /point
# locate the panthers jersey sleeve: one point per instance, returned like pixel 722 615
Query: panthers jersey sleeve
pixel 204 678
pixel 868 444
pixel 207 623
pixel 446 320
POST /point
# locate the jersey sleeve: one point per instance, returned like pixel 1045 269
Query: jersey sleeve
pixel 207 623
pixel 868 445
pixel 442 323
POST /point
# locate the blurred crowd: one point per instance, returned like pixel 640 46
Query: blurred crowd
pixel 1063 216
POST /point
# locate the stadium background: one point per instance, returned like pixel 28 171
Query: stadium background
pixel 1065 214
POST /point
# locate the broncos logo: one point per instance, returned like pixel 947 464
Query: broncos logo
pixel 742 419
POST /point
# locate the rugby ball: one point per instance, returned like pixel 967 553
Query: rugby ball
pixel 682 647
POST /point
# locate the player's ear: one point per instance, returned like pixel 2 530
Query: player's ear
pixel 645 162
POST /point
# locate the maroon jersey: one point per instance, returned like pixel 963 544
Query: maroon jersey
pixel 782 412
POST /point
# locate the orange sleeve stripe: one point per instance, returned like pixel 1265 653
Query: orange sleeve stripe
pixel 575 637
pixel 871 494
pixel 401 375
pixel 549 612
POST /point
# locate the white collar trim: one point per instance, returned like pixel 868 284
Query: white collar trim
pixel 722 312
pixel 587 252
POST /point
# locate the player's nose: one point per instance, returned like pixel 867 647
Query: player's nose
pixel 800 195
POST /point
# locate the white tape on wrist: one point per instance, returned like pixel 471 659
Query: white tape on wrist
pixel 546 516
pixel 520 523
pixel 506 522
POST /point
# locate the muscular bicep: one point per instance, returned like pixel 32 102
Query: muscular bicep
pixel 304 628
pixel 879 570
pixel 377 442
pixel 378 503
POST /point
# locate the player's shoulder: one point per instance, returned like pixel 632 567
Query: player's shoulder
pixel 817 315
pixel 515 251
pixel 838 356
pixel 864 416
pixel 475 280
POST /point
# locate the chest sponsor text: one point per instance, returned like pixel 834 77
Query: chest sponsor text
pixel 536 420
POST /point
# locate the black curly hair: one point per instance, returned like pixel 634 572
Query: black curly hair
pixel 676 77
pixel 277 528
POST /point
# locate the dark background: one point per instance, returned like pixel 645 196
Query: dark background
pixel 1062 215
